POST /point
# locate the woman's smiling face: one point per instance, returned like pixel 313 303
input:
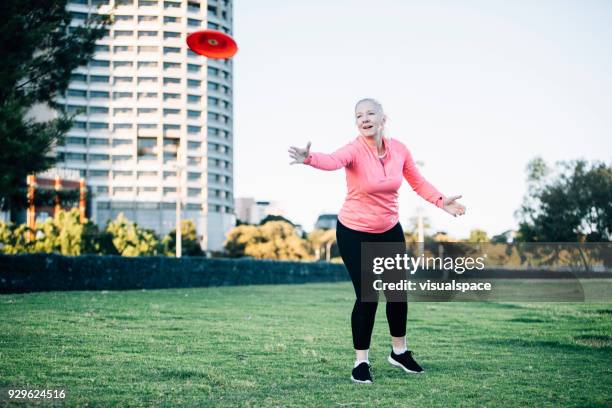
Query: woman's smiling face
pixel 369 118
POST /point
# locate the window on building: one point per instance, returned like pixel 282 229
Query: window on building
pixel 147 48
pixel 170 96
pixel 121 158
pixel 194 83
pixel 122 48
pixel 147 148
pixel 147 80
pixel 99 94
pixel 168 111
pixel 78 77
pixel 119 126
pixel 171 50
pixel 98 125
pixel 147 3
pixel 76 93
pixel 194 98
pixel 98 173
pixel 172 65
pixel 172 4
pixel 102 48
pixel 74 156
pixel 173 81
pixel 75 109
pixel 122 95
pixel 145 19
pixel 122 64
pixel 147 95
pixel 147 33
pixel 194 192
pixel 99 157
pixel 194 145
pixel 122 173
pixel 122 189
pixel 122 111
pixel 98 110
pixel 122 80
pixel 147 64
pixel 193 68
pixel 194 129
pixel 76 140
pixel 171 34
pixel 171 19
pixel 193 114
pixel 122 142
pixel 194 22
pixel 147 111
pixel 99 78
pixel 123 33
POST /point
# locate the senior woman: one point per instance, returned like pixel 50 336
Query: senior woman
pixel 375 166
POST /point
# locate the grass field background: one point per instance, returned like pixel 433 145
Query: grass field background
pixel 290 345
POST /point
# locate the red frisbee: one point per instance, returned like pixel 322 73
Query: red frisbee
pixel 212 44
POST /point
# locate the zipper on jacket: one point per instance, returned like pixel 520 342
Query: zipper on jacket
pixel 383 166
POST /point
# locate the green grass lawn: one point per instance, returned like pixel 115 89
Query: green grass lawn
pixel 290 345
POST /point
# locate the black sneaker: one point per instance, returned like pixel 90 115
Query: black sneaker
pixel 361 374
pixel 405 362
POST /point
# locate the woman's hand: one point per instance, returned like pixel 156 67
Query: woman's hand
pixel 453 207
pixel 299 155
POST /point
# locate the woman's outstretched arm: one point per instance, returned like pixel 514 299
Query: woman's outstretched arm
pixel 426 190
pixel 340 158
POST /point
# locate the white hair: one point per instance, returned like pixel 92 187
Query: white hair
pixel 377 104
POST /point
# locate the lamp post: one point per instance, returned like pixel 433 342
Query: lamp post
pixel 420 226
pixel 179 175
pixel 31 213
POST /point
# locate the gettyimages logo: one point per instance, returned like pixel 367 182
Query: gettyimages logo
pixel 411 264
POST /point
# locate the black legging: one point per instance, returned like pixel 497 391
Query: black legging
pixel 364 313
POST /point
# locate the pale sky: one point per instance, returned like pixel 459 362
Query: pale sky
pixel 475 89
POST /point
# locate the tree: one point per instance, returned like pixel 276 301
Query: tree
pixel 130 239
pixel 273 240
pixel 569 203
pixel 321 241
pixel 38 51
pixel 63 234
pixel 271 217
pixel 190 244
pixel 477 236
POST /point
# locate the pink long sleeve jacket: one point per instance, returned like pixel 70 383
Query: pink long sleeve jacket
pixel 371 203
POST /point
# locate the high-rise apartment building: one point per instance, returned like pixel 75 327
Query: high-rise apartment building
pixel 154 120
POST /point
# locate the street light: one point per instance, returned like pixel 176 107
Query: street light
pixel 179 174
pixel 420 227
